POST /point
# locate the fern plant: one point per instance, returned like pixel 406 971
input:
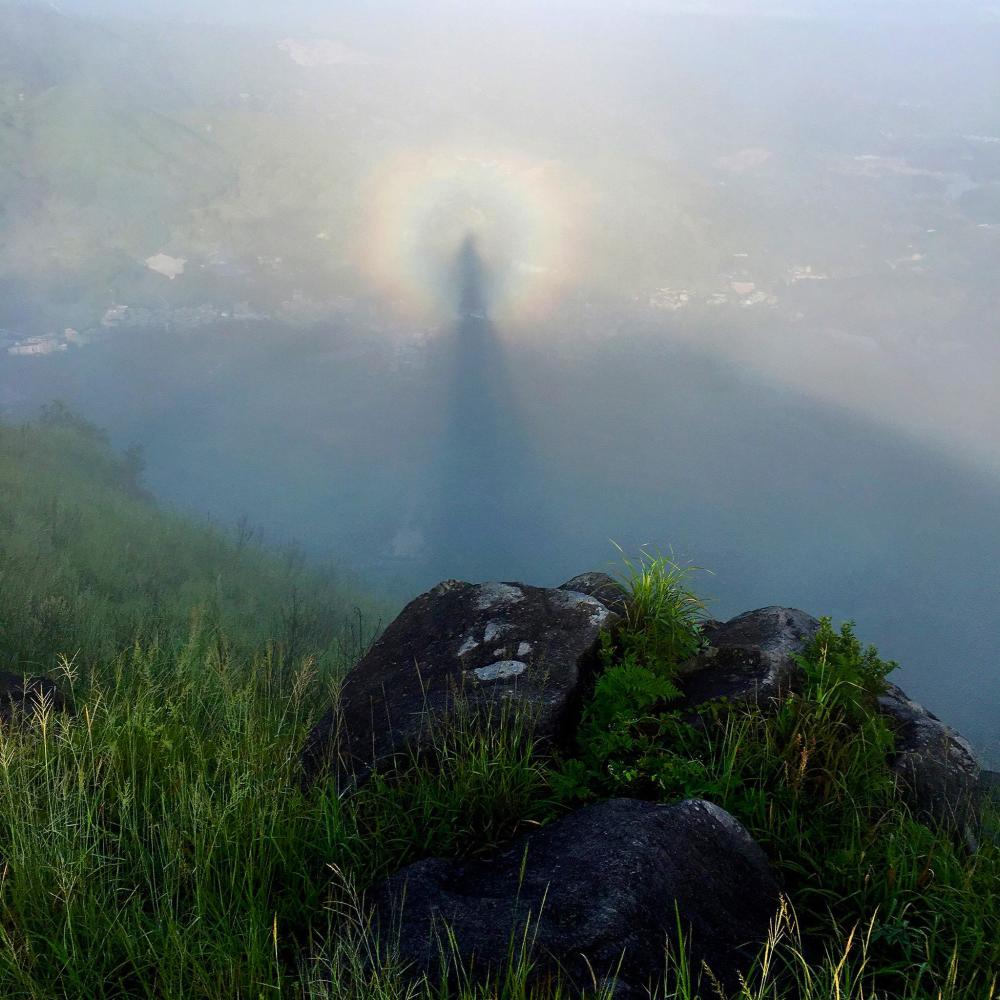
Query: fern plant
pixel 618 739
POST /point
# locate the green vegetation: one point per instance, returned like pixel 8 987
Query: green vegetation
pixel 811 784
pixel 89 565
pixel 158 844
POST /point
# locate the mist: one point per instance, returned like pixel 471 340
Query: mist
pixel 447 290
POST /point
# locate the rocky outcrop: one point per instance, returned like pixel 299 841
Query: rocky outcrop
pixel 751 659
pixel 601 892
pixel 748 659
pixel 534 650
pixel 23 697
pixel 486 644
pixel 595 896
pixel 937 768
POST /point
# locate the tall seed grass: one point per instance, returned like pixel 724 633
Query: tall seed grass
pixel 158 844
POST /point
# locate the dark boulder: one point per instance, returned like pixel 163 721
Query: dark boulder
pixel 937 768
pixel 22 697
pixel 604 588
pixel 490 644
pixel 748 659
pixel 601 891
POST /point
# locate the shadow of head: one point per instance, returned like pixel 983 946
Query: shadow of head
pixel 471 280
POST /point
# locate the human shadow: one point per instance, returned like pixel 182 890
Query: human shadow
pixel 487 499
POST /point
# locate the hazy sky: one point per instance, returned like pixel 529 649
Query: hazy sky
pixel 289 12
pixel 837 172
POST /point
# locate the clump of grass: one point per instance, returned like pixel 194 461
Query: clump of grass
pixel 618 754
pixel 158 845
pixel 152 846
pixel 478 783
pixel 352 963
pixel 663 616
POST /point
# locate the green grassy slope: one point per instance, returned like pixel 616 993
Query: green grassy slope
pixel 88 564
pixel 158 844
pixel 155 845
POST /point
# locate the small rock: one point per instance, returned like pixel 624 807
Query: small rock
pixel 749 659
pixel 488 643
pixel 937 767
pixel 601 890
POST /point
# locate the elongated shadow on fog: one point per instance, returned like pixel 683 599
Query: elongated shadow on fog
pixel 487 498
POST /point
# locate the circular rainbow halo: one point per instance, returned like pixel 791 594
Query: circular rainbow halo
pixel 424 207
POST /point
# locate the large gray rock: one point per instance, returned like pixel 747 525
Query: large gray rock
pixel 22 697
pixel 604 588
pixel 601 890
pixel 937 767
pixel 748 659
pixel 489 643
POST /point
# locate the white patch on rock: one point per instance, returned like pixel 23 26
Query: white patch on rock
pixel 774 664
pixel 494 630
pixel 468 645
pixel 599 614
pixel 524 649
pixel 720 815
pixel 491 594
pixel 501 670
